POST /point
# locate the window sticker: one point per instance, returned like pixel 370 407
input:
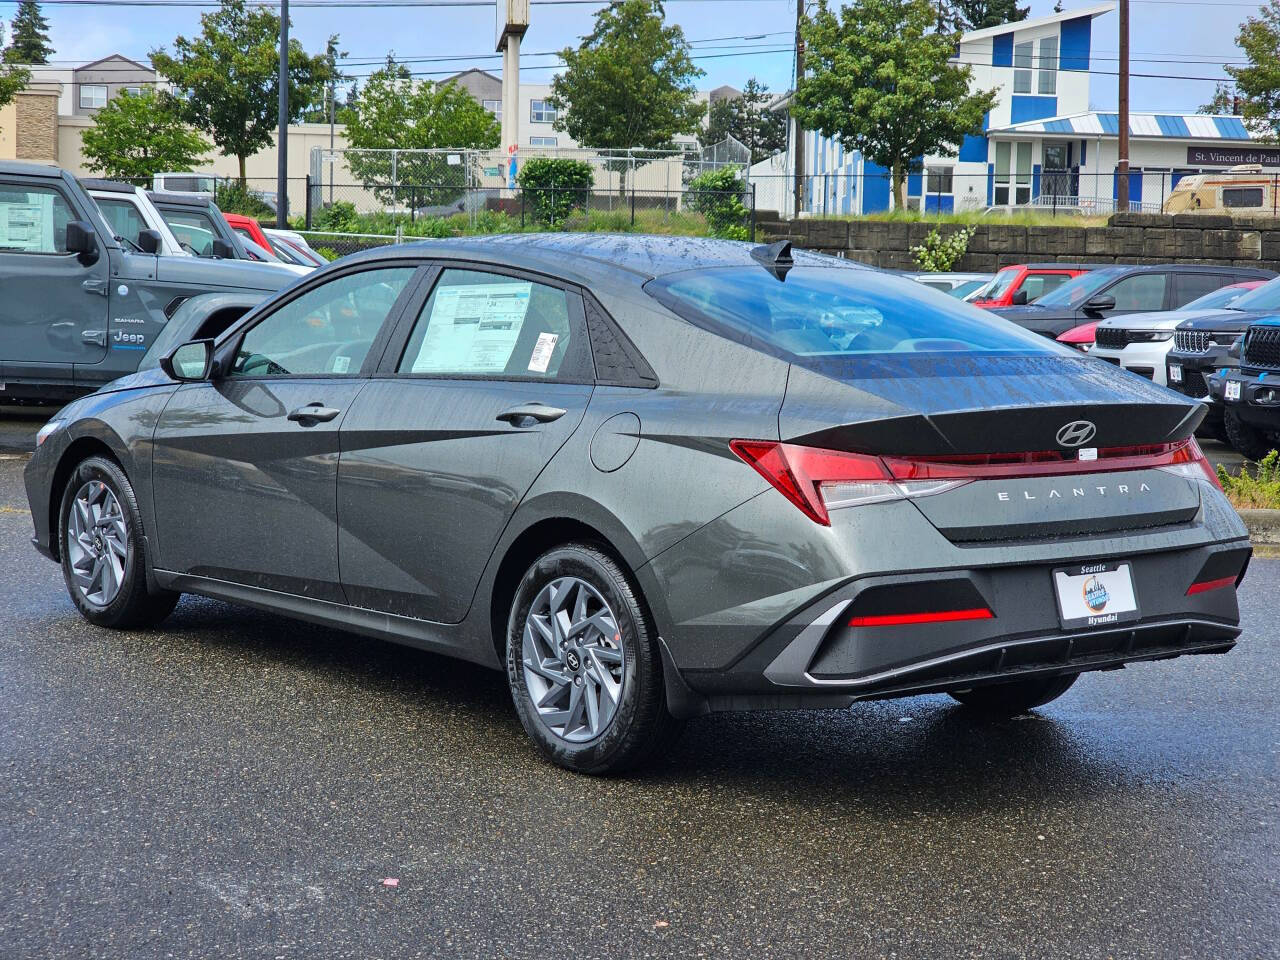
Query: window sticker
pixel 28 226
pixel 473 328
pixel 542 351
pixel 341 364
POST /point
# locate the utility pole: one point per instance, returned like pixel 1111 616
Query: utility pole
pixel 282 136
pixel 1122 167
pixel 798 143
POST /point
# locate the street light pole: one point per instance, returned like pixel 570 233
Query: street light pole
pixel 282 135
pixel 1122 167
pixel 798 145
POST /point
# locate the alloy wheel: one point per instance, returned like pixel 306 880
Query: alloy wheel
pixel 574 666
pixel 97 542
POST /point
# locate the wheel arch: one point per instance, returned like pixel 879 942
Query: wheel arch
pixel 78 450
pixel 550 524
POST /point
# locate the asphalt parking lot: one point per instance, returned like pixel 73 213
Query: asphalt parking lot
pixel 240 785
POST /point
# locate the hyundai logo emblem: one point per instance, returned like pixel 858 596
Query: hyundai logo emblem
pixel 1076 433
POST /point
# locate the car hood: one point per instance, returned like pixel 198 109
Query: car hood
pixel 940 405
pixel 1222 320
pixel 1163 320
pixel 235 274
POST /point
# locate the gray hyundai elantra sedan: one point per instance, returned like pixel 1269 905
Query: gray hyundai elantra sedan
pixel 651 478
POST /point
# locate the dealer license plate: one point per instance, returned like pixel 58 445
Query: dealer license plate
pixel 1095 594
pixel 1232 390
pixel 1175 373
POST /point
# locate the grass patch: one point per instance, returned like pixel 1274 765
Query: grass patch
pixel 1037 217
pixel 1259 490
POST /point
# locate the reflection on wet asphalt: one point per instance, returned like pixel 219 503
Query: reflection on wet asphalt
pixel 239 785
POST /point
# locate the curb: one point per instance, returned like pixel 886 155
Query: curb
pixel 1264 525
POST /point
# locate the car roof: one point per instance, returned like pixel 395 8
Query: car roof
pixel 182 199
pixel 111 186
pixel 1059 266
pixel 594 257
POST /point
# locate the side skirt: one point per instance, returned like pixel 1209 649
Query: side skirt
pixel 452 640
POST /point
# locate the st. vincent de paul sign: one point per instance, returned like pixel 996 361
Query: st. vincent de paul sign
pixel 1229 156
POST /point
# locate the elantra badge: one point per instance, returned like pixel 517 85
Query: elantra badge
pixel 1076 433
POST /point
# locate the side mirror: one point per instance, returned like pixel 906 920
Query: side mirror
pixel 1020 298
pixel 223 250
pixel 189 363
pixel 149 241
pixel 1100 304
pixel 81 240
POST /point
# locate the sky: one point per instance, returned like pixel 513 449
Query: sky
pixel 1170 38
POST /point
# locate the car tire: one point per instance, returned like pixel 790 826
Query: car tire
pixel 103 550
pixel 1247 440
pixel 619 675
pixel 1015 696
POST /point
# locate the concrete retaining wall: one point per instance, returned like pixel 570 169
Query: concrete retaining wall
pixel 1128 238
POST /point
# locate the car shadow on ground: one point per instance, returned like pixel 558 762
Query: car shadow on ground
pixel 923 752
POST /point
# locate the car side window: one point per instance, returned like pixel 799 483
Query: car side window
pixel 193 230
pixel 1192 286
pixel 123 217
pixel 486 324
pixel 33 219
pixel 326 331
pixel 1048 282
pixel 1140 291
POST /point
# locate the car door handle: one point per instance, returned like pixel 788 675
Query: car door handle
pixel 94 285
pixel 314 413
pixel 527 414
pixel 98 337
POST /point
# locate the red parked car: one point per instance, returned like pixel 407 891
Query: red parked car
pixel 1024 283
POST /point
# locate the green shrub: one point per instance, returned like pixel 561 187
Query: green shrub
pixel 940 253
pixel 233 198
pixel 553 187
pixel 717 195
pixel 1261 490
pixel 328 253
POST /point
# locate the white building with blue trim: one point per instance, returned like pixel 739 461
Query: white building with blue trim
pixel 1041 143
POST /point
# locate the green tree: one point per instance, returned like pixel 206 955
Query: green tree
pixel 395 112
pixel 1224 102
pixel 555 186
pixel 227 78
pixel 30 35
pixel 630 83
pixel 140 135
pixel 980 14
pixel 882 81
pixel 1259 83
pixel 12 77
pixel 747 120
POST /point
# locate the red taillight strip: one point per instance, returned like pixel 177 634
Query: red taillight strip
pixel 1206 585
pixel 940 616
pixel 1042 463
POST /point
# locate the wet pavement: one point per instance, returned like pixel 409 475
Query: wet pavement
pixel 240 785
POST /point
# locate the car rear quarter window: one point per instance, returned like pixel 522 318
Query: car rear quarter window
pixel 481 324
pixel 817 312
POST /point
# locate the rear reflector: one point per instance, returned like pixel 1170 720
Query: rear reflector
pixel 816 480
pixel 940 616
pixel 1206 585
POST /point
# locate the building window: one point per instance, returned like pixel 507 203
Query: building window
pixel 541 112
pixel 1048 66
pixel 133 91
pixel 1023 56
pixel 542 141
pixel 1013 174
pixel 93 96
pixel 494 107
pixel 938 180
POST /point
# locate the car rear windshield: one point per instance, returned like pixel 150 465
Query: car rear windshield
pixel 1078 289
pixel 823 312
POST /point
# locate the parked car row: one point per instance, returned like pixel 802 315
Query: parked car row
pixel 93 271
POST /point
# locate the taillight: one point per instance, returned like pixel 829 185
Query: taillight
pixel 818 480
